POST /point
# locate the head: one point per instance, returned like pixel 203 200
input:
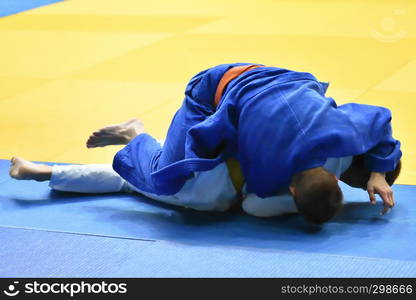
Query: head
pixel 317 194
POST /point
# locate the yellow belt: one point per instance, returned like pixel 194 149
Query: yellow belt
pixel 236 175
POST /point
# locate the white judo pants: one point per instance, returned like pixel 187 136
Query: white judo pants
pixel 208 191
pixel 101 178
pixel 93 178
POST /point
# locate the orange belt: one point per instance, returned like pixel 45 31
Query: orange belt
pixel 229 76
pixel 234 168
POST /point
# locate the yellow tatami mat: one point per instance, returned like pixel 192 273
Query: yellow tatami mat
pixel 69 68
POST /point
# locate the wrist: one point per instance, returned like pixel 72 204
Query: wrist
pixel 377 175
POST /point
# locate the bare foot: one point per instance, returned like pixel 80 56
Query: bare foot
pixel 22 169
pixel 119 134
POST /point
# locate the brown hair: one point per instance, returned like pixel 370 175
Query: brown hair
pixel 317 195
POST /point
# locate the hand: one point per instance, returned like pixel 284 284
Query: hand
pixel 377 185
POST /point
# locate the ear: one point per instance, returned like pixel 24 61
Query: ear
pixel 292 190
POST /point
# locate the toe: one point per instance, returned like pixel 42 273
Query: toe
pixel 91 145
pixel 13 172
pixel 14 160
pixel 93 138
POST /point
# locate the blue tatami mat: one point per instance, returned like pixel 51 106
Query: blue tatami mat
pixel 32 253
pixel 4 173
pixel 358 231
pixel 10 7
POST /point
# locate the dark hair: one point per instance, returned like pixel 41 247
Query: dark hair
pixel 357 175
pixel 317 195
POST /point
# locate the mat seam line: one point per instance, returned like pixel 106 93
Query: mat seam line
pixel 368 258
pixel 79 233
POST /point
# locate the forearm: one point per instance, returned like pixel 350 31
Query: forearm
pixel 385 156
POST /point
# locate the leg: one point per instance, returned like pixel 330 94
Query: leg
pixel 86 178
pixel 22 169
pixel 96 178
pixel 71 178
pixel 120 134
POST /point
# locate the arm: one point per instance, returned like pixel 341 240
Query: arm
pixel 358 176
pixel 380 151
pixel 270 206
pixel 382 158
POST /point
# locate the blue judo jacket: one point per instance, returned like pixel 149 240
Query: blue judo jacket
pixel 275 122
